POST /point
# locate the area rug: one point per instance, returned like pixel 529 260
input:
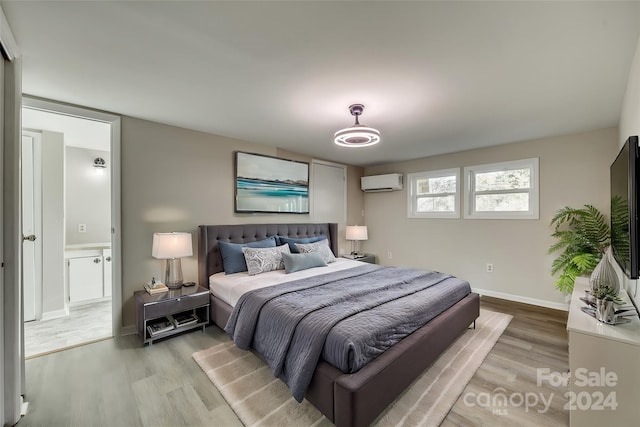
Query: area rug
pixel 259 399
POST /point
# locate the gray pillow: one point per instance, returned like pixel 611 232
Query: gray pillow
pixel 292 241
pixel 233 258
pixel 261 260
pixel 321 247
pixel 297 262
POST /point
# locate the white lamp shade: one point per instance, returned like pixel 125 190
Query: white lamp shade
pixel 171 245
pixel 356 232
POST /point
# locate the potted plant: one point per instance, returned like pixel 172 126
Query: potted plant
pixel 605 293
pixel 583 236
pixel 606 298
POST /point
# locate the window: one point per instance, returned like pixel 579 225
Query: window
pixel 507 190
pixel 434 194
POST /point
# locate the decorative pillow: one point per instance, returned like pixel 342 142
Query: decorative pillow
pixel 233 258
pixel 292 241
pixel 321 247
pixel 297 262
pixel 261 260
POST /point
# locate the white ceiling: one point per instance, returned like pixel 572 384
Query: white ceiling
pixel 81 133
pixel 435 77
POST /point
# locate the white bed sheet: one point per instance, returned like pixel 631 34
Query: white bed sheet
pixel 230 287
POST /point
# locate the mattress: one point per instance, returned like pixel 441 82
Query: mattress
pixel 230 287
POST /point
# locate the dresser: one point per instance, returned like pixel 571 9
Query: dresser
pixel 604 361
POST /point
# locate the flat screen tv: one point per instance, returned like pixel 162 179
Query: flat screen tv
pixel 624 208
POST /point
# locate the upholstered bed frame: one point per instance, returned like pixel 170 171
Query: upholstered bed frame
pixel 345 399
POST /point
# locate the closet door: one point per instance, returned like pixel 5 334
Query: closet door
pixel 329 194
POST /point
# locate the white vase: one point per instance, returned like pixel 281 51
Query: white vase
pixel 604 275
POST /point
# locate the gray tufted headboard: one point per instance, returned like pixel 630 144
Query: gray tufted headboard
pixel 210 260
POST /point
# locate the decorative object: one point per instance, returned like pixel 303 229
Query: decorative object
pixel 356 233
pixel 269 184
pixel 357 135
pixel 171 247
pixel 257 399
pixel 604 275
pixel 583 235
pixel 606 298
pixel 100 165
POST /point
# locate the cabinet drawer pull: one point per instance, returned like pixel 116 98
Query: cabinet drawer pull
pixel 96 260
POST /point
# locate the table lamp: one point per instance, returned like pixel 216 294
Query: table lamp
pixel 356 233
pixel 171 247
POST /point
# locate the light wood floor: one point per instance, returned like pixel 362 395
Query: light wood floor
pixel 117 382
pixel 535 339
pixel 85 323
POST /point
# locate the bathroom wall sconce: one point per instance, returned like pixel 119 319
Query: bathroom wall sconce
pixel 100 165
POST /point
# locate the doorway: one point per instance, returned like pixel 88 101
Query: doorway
pixel 71 206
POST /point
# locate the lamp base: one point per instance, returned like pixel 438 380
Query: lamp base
pixel 173 273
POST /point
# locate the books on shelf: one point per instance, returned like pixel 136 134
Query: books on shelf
pixel 184 319
pixel 156 289
pixel 160 326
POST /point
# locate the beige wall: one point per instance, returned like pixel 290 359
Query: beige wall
pixel 174 179
pixel 88 197
pixel 574 170
pixel 630 125
pixel 53 194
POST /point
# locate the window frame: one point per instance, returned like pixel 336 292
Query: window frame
pixel 534 190
pixel 412 195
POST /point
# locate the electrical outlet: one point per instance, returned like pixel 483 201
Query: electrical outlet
pixel 489 268
pixel 389 255
pixel 82 228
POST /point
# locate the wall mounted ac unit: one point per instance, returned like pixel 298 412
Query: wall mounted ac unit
pixel 377 183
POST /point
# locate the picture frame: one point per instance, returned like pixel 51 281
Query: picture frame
pixel 266 184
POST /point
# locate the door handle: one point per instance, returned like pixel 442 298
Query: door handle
pixel 30 237
pixel 108 259
pixel 96 260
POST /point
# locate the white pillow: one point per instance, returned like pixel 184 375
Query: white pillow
pixel 321 247
pixel 261 260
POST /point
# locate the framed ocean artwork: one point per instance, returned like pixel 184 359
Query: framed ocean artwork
pixel 270 184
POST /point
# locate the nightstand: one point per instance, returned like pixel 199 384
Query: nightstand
pixel 178 310
pixel 370 258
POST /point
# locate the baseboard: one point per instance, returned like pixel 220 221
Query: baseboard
pixel 525 300
pixel 55 314
pixel 128 330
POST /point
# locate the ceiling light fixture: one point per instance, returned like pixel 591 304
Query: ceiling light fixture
pixel 357 135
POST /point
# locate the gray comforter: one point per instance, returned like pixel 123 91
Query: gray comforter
pixel 346 317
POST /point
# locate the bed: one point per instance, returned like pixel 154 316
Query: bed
pixel 345 399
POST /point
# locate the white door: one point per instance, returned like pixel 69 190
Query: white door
pixel 329 194
pixel 85 278
pixel 31 217
pixel 107 274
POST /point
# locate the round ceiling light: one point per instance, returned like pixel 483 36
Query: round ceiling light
pixel 357 135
